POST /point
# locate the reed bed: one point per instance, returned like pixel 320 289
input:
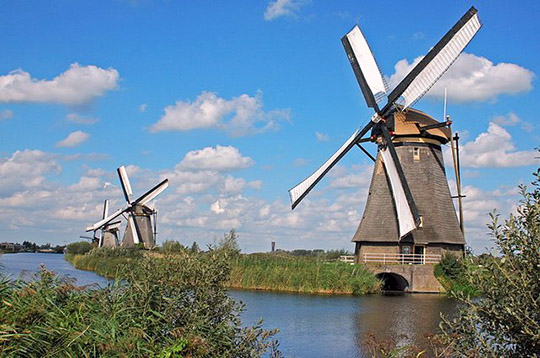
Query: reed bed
pixel 167 307
pixel 300 274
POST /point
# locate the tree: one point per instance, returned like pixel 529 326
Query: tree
pixel 505 319
pixel 229 242
pixel 195 248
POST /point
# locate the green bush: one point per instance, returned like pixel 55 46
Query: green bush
pixel 171 246
pixel 505 320
pixel 451 266
pixel 79 248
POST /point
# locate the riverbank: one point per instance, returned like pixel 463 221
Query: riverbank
pixel 269 272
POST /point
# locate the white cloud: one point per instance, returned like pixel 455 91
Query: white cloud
pixel 142 107
pixel 512 119
pixel 472 79
pixel 239 116
pixel 233 185
pixel 73 139
pixel 493 149
pixel 77 118
pixel 5 114
pixel 281 8
pixel 217 208
pixel 219 158
pixel 26 169
pixel 255 184
pixel 322 137
pixel 78 85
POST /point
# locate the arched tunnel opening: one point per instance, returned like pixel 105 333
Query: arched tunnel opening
pixel 392 282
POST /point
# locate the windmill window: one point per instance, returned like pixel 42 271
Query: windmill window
pixel 416 153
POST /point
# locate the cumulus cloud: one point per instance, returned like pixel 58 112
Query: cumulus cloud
pixel 322 137
pixel 239 116
pixel 5 114
pixel 494 149
pixel 281 8
pixel 26 169
pixel 512 119
pixel 79 119
pixel 78 85
pixel 220 158
pixel 142 107
pixel 73 139
pixel 472 79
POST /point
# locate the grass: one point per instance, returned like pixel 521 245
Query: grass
pixel 300 274
pixel 285 273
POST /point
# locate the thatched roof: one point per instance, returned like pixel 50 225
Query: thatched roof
pixel 429 187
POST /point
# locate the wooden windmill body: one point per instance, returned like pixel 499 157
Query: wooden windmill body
pixel 421 158
pixel 142 215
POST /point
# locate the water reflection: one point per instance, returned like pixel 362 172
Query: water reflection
pixel 404 319
pixel 336 326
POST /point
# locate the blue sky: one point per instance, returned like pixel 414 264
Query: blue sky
pixel 236 102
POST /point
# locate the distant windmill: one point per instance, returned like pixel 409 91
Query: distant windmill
pixel 141 226
pixel 409 206
pixel 109 231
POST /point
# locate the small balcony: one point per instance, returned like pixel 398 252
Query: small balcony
pixel 400 259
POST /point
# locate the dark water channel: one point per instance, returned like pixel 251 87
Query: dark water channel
pixel 310 325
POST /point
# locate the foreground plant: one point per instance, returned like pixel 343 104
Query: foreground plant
pixel 505 319
pixel 166 307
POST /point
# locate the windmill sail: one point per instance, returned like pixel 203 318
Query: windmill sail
pixel 300 191
pixel 365 67
pixel 437 61
pixel 105 221
pixel 152 193
pixel 126 186
pixel 134 229
pixel 105 209
pixel 403 210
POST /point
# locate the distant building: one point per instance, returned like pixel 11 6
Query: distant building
pixel 9 246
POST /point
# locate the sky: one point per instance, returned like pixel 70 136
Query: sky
pixel 235 103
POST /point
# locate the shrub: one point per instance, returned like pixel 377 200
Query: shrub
pixel 79 248
pixel 451 266
pixel 505 320
pixel 171 246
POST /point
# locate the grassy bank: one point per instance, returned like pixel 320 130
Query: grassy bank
pixel 300 274
pixel 283 273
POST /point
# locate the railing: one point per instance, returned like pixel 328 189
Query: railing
pixel 347 259
pixel 403 259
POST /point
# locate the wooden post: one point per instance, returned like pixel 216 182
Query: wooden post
pixel 455 157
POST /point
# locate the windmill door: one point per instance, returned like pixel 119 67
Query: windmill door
pixel 419 255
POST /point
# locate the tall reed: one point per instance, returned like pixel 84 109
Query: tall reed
pixel 300 274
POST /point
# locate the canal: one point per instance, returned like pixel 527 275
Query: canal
pixel 310 325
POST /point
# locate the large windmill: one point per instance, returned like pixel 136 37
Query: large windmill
pixel 109 231
pixel 141 227
pixel 409 208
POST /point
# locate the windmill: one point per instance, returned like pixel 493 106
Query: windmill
pixel 109 231
pixel 409 207
pixel 141 226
